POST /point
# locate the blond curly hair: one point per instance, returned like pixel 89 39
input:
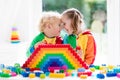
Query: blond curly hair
pixel 48 18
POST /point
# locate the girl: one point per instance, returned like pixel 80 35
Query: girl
pixel 82 41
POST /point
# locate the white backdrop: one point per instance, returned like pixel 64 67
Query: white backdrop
pixel 113 23
pixel 25 14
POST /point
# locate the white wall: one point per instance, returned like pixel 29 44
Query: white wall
pixel 113 23
pixel 25 14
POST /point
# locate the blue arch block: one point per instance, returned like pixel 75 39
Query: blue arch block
pixel 57 62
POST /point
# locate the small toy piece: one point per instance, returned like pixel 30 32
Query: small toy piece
pixel 2 66
pixel 31 75
pixel 92 69
pixel 110 67
pixel 57 71
pixel 61 71
pixel 5 75
pixel 100 76
pixel 97 67
pixel 27 69
pixel 81 69
pixel 9 67
pixel 13 74
pixel 17 65
pixel 57 75
pixel 13 69
pixel 42 76
pixel 85 73
pixel 64 67
pixel 73 74
pixel 83 76
pixel 103 71
pixel 53 69
pixel 25 74
pixel 116 70
pixel 47 73
pixel 103 64
pixel 102 67
pixel 70 70
pixel 118 75
pixel 91 66
pixel 32 49
pixel 37 74
pixel 7 71
pixel 67 74
pixel 111 74
pixel 18 70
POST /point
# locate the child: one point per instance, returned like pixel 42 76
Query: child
pixel 82 41
pixel 49 31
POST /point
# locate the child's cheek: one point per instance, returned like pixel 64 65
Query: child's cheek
pixel 57 31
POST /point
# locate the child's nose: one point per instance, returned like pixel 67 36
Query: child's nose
pixel 62 25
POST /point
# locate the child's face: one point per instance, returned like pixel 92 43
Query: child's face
pixel 56 28
pixel 67 24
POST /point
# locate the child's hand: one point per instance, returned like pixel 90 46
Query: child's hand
pixel 39 43
pixel 79 52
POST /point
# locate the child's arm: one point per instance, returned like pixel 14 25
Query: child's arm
pixel 90 50
pixel 37 39
pixel 30 49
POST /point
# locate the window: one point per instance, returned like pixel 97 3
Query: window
pixel 102 18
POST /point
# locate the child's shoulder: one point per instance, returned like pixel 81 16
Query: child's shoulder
pixel 59 37
pixel 87 32
pixel 59 40
pixel 39 36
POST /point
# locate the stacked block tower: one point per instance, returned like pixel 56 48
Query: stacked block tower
pixel 58 55
pixel 14 36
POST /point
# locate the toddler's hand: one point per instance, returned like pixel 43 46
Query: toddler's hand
pixel 79 52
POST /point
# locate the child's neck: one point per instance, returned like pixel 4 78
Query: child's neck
pixel 79 31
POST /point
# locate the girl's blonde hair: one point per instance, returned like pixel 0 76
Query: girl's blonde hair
pixel 76 18
pixel 48 18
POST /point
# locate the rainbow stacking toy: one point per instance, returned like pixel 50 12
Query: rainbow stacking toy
pixel 46 56
pixel 14 36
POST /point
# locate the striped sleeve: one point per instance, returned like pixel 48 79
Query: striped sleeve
pixel 90 50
